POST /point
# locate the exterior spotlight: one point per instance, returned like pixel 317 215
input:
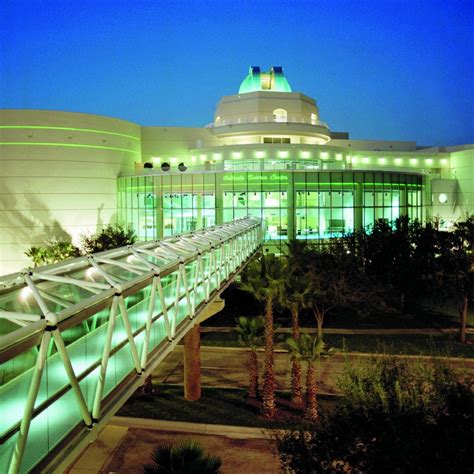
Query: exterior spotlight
pixel 182 167
pixel 148 165
pixel 165 167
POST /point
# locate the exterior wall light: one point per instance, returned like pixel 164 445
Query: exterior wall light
pixel 305 154
pixel 382 161
pixel 413 161
pixel 339 156
pixel 203 157
pixel 429 161
pixel 443 198
pixel 324 155
pixel 174 160
pixel 366 159
pixel 237 154
pixel 193 158
pixel 216 156
pixel 444 161
pixel 398 161
pixel 259 154
pixel 283 154
pixel 156 159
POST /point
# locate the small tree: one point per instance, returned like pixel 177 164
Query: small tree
pixel 264 278
pixel 250 332
pixel 184 458
pixel 309 349
pixel 335 282
pixel 456 267
pixel 111 237
pixel 294 297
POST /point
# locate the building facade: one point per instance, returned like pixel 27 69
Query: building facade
pixel 266 153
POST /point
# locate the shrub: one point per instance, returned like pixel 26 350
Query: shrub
pixel 396 417
pixel 112 236
pixel 184 458
pixel 53 252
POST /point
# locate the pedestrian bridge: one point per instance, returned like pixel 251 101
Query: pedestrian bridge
pixel 79 337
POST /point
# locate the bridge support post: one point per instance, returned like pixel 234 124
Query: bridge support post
pixel 192 364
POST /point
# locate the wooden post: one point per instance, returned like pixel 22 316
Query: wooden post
pixel 192 364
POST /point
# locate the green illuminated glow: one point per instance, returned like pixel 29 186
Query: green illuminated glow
pixel 76 145
pixel 253 177
pixel 274 80
pixel 41 127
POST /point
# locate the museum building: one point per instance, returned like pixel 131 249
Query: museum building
pixel 267 154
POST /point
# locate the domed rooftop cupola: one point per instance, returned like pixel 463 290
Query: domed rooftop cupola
pixel 274 80
pixel 267 108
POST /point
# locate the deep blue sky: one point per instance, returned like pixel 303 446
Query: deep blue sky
pixel 378 69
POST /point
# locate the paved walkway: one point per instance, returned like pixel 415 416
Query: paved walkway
pixel 126 444
pixel 226 368
pixel 369 332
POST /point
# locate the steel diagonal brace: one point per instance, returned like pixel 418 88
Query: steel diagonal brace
pixel 93 287
pixel 12 316
pixel 128 330
pixel 184 277
pixel 176 301
pixel 151 309
pixel 96 408
pixel 58 340
pixel 165 254
pixel 146 262
pixel 19 450
pixel 124 265
pixel 108 278
pixel 164 309
pixel 156 253
pixel 170 248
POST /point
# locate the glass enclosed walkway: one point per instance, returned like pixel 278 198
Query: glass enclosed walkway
pixel 77 338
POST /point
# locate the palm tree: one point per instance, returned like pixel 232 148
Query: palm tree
pixel 294 297
pixel 264 279
pixel 250 332
pixel 184 458
pixel 309 349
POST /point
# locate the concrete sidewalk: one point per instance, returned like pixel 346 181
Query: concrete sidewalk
pixel 368 332
pixel 226 367
pixel 126 444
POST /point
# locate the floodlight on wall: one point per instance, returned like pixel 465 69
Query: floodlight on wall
pixel 148 165
pixel 182 167
pixel 165 167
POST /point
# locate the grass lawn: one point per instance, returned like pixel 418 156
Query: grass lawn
pixel 216 406
pixel 442 345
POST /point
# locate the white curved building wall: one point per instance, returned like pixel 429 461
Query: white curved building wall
pixel 58 176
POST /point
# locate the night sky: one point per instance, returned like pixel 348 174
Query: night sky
pixel 401 70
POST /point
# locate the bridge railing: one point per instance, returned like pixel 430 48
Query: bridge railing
pixel 77 338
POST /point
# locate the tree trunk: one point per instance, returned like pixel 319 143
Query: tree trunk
pixel 296 389
pixel 268 392
pixel 463 314
pixel 319 322
pixel 253 374
pixel 311 399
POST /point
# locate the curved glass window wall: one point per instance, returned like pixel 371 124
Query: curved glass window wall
pixel 304 205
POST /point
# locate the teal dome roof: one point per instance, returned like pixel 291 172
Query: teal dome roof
pixel 274 80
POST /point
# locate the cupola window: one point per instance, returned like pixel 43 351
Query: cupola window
pixel 280 115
